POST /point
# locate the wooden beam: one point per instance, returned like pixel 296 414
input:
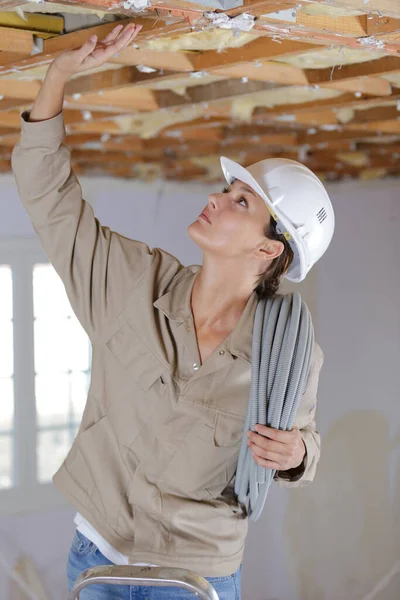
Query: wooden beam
pixel 266 71
pixel 113 79
pixel 351 26
pixel 378 67
pixel 177 61
pixel 51 24
pixel 16 40
pixel 260 49
pixel 369 86
pixel 150 29
pixel 354 26
pixel 229 88
pixel 296 33
pixel 15 88
pixel 386 126
pixel 55 45
pixel 9 59
pixel 380 26
pixel 132 99
pixel 390 8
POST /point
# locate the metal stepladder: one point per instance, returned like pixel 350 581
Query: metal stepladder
pixel 153 576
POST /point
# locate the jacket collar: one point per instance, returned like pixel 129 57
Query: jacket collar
pixel 175 304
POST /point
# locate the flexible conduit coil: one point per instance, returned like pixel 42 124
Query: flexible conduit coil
pixel 282 345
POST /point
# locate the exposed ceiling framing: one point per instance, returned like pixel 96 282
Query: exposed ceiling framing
pixel 318 82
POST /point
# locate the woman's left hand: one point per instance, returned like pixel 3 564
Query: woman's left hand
pixel 276 449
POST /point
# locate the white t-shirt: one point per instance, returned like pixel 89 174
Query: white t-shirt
pixel 105 548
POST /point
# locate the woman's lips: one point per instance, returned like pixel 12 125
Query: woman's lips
pixel 205 217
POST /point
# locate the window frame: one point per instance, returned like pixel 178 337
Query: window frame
pixel 27 494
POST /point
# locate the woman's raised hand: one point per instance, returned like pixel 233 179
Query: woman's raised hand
pixel 94 53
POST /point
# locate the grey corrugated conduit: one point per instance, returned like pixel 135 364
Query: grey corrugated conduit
pixel 283 340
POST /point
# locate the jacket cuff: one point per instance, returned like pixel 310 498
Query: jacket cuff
pixel 44 134
pixel 297 472
pixel 304 473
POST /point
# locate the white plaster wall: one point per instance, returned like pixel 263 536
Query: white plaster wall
pixel 338 537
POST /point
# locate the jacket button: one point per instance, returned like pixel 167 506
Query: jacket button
pixel 195 366
pixel 222 352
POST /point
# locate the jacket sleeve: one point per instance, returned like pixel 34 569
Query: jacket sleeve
pixel 98 266
pixel 304 474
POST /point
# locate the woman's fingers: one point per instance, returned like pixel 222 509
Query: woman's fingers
pixel 119 43
pixel 87 47
pixel 113 33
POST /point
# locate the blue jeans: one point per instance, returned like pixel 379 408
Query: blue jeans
pixel 84 554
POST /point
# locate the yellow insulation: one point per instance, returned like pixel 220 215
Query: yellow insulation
pixel 355 159
pixel 335 56
pixel 209 39
pixel 242 107
pixel 368 174
pixel 148 125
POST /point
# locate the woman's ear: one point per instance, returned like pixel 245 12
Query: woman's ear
pixel 270 250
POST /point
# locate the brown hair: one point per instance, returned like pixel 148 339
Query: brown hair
pixel 268 284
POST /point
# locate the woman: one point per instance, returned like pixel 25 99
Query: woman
pixel 151 470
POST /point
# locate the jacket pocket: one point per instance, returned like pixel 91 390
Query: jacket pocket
pixel 207 458
pixel 140 363
pixel 225 432
pixel 97 467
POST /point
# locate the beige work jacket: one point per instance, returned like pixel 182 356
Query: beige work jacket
pixel 152 467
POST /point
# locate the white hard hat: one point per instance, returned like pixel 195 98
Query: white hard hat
pixel 298 202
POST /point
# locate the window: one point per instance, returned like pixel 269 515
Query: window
pixel 6 378
pixel 45 364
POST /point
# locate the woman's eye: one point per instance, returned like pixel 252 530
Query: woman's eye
pixel 244 200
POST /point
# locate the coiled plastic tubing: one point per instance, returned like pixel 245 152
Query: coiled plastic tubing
pixel 282 345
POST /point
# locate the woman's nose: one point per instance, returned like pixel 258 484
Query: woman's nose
pixel 213 200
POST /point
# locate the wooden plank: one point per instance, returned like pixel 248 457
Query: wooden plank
pixel 211 92
pixel 7 103
pixel 9 59
pixel 386 126
pixel 379 26
pixel 386 7
pixel 54 46
pixel 15 88
pixel 130 98
pixel 369 86
pixel 260 49
pixel 150 28
pixel 352 26
pixel 378 67
pixel 113 79
pixel 296 33
pixel 32 21
pixel 355 26
pixel 10 119
pixel 178 61
pixel 267 71
pixel 16 40
pixel 260 8
pixel 376 113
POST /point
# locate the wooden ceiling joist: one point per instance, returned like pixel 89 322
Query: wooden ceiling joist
pixel 261 99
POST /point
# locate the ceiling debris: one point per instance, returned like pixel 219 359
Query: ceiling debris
pixel 313 81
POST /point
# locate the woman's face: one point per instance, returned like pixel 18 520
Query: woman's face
pixel 237 216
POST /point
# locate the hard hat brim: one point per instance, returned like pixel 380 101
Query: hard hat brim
pixel 233 170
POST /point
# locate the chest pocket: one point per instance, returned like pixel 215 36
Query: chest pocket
pixel 140 364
